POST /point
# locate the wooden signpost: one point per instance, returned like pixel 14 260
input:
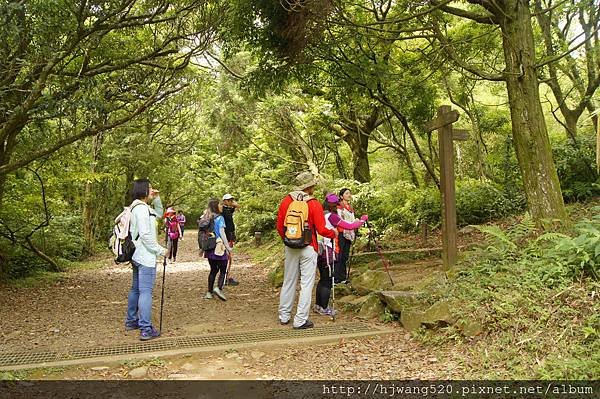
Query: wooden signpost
pixel 446 116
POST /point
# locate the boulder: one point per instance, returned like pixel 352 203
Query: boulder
pixel 342 290
pixel 469 328
pixel 396 301
pixel 438 312
pixel 371 280
pixel 433 282
pixel 357 302
pixel 371 308
pixel 411 318
pixel 345 300
pixel 401 284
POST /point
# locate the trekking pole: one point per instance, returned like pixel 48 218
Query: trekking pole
pixel 162 293
pixel 349 264
pixel 227 269
pixel 331 271
pixel 378 248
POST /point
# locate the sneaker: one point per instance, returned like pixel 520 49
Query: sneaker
pixel 307 324
pixel 208 295
pixel 319 310
pixel 232 281
pixel 329 312
pixel 284 323
pixel 219 294
pixel 129 326
pixel 149 334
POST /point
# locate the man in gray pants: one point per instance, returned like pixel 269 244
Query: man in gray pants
pixel 301 262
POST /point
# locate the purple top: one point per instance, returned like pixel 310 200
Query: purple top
pixel 337 221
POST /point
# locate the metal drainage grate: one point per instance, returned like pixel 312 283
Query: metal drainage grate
pixel 166 344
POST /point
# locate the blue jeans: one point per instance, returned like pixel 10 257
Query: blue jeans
pixel 139 301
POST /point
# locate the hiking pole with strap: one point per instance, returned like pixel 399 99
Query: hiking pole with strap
pixel 378 248
pixel 162 293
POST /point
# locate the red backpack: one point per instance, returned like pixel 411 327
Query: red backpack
pixel 173 226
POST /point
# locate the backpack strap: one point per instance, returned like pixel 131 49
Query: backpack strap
pixel 131 210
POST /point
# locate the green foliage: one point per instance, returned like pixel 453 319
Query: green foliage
pixel 529 291
pixel 574 257
pixel 401 204
pixel 388 317
pixel 480 202
pixel 576 168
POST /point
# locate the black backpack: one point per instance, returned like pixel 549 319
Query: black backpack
pixel 207 240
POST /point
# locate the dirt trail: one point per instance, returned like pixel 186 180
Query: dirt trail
pixel 87 309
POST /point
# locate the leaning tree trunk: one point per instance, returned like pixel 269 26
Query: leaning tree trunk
pixel 530 135
pixel 362 170
pixel 358 141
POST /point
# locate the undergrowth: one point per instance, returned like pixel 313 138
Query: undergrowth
pixel 536 296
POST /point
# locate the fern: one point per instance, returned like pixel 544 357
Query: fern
pixel 500 236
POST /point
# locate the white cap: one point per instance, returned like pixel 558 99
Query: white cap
pixel 227 197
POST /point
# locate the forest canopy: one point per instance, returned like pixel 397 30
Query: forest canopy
pixel 208 97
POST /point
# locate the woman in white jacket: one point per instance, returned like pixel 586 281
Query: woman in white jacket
pixel 143 233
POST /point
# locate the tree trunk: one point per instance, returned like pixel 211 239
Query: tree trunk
pixel 530 135
pixel 54 267
pixel 597 145
pixel 129 177
pixel 360 156
pixel 2 183
pixel 89 226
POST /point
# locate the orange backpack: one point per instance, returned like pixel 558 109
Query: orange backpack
pixel 297 232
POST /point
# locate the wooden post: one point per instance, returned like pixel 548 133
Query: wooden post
pixel 424 232
pixel 446 135
pixel 257 238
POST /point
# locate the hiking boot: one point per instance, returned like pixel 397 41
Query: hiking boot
pixel 129 326
pixel 231 281
pixel 307 324
pixel 219 294
pixel 149 334
pixel 208 295
pixel 319 310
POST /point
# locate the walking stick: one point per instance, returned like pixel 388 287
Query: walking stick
pixel 383 259
pixel 162 293
pixel 332 278
pixel 227 269
pixel 349 264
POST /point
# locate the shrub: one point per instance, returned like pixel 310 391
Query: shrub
pixel 576 168
pixel 479 202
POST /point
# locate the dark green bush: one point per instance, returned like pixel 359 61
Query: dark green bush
pixel 576 168
pixel 479 202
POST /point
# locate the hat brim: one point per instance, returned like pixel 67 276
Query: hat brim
pixel 307 185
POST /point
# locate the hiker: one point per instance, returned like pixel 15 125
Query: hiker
pixel 329 257
pixel 347 235
pixel 181 221
pixel 173 233
pixel 299 218
pixel 219 256
pixel 143 263
pixel 229 207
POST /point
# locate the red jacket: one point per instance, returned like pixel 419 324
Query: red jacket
pixel 316 219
